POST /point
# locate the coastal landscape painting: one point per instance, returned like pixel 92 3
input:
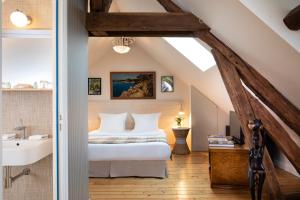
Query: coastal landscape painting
pixel 132 85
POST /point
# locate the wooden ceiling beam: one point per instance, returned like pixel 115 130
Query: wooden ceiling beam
pixel 170 6
pixel 292 20
pixel 142 34
pixel 100 5
pixel 278 134
pixel 245 113
pixel 144 24
pixel 262 88
pixel 258 84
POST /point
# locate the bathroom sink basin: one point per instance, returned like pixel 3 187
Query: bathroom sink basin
pixel 25 152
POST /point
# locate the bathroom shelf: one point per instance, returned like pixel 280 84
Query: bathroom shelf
pixel 29 33
pixel 26 90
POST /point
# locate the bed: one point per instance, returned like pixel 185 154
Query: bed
pixel 128 153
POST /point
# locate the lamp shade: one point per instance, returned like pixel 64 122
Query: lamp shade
pixel 19 19
pixel 121 49
pixel 122 45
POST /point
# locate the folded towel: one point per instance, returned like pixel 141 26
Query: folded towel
pixel 9 136
pixel 38 137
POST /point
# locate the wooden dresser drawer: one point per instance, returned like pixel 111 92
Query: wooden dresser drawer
pixel 228 166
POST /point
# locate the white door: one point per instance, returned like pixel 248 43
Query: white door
pixel 72 100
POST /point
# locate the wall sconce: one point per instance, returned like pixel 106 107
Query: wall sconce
pixel 19 19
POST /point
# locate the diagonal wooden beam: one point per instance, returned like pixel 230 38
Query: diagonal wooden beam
pixel 142 34
pixel 170 6
pixel 143 22
pixel 279 135
pixel 259 85
pixel 245 113
pixel 236 93
pixel 100 5
pixel 262 88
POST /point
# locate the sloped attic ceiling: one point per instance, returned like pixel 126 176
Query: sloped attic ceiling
pixel 209 82
pixel 245 33
pixel 240 29
pixel 272 12
pixel 253 40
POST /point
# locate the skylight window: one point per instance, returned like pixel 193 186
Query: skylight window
pixel 193 51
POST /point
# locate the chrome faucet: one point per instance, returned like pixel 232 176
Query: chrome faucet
pixel 21 127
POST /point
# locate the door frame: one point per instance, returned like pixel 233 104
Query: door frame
pixel 61 174
pixel 1 171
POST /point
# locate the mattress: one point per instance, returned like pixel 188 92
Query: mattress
pixel 129 151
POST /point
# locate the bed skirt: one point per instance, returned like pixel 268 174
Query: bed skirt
pixel 123 168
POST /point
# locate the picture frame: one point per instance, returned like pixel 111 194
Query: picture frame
pixel 133 85
pixel 94 86
pixel 167 84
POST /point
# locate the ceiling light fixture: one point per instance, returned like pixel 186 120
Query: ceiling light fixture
pixel 122 45
pixel 19 19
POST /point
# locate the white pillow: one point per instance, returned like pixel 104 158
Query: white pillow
pixel 146 122
pixel 113 122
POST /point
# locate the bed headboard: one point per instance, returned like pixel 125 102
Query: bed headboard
pixel 168 110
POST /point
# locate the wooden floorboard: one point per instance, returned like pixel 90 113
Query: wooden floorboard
pixel 188 179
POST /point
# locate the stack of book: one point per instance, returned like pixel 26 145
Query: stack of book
pixel 219 141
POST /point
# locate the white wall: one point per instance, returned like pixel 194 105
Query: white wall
pixel 135 60
pixel 27 60
pixel 207 119
pixel 210 82
pixel 272 13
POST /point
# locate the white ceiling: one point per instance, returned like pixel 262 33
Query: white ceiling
pixel 272 12
pixel 240 29
pixel 139 6
pixel 259 45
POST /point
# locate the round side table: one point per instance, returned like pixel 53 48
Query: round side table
pixel 181 147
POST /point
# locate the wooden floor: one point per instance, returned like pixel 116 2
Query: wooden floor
pixel 188 179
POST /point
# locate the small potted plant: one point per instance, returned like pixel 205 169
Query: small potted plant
pixel 179 119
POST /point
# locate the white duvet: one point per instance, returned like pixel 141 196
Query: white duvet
pixel 98 132
pixel 128 151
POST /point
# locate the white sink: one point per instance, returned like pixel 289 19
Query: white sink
pixel 25 152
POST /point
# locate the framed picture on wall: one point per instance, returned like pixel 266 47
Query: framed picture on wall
pixel 167 84
pixel 94 86
pixel 133 85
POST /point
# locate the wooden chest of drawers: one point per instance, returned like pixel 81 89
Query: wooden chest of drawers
pixel 228 166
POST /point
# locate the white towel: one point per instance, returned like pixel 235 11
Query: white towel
pixel 38 137
pixel 9 136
